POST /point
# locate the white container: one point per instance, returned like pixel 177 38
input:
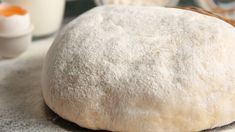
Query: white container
pixel 13 46
pixel 15 32
pixel 46 15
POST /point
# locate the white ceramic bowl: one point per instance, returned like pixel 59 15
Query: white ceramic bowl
pixel 13 46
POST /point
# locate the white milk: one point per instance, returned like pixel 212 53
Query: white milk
pixel 46 15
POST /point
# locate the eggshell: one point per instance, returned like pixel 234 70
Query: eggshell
pixel 14 25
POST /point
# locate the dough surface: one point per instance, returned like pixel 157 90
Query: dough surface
pixel 142 69
pixel 169 3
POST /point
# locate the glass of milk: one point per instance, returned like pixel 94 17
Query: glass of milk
pixel 46 15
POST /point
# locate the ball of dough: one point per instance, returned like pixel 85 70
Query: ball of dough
pixel 142 69
pixel 139 2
